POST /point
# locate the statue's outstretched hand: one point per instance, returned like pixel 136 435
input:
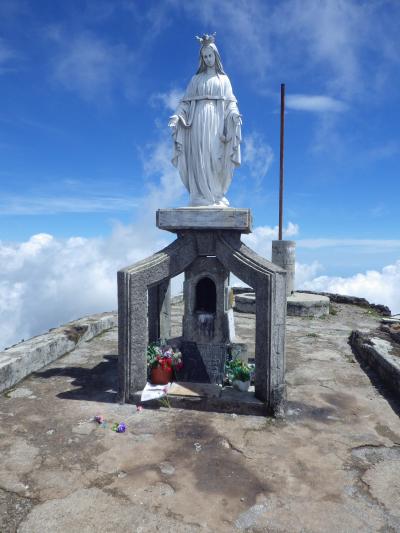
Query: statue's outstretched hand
pixel 173 121
pixel 237 119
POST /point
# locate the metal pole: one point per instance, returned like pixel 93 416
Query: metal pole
pixel 281 160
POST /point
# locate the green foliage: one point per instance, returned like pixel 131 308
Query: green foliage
pixel 237 370
pixel 164 402
pixel 372 313
pixel 333 310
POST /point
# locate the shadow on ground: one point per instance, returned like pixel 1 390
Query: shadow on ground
pixel 97 384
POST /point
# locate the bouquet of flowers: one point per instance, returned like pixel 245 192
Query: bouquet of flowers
pixel 164 357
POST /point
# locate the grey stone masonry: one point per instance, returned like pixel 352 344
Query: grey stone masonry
pixel 199 234
pixel 159 311
pixel 200 324
pixel 284 255
pixel 204 218
pixel 31 355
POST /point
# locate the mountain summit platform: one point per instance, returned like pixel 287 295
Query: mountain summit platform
pixel 332 465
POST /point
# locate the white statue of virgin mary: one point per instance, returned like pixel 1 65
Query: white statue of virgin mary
pixel 206 130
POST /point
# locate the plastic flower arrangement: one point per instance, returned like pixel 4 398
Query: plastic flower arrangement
pixel 164 357
pixel 237 370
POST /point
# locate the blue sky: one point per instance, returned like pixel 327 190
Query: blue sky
pixel 87 88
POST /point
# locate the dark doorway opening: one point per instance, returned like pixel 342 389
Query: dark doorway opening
pixel 206 296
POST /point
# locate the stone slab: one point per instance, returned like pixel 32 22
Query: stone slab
pixel 383 355
pixel 204 218
pixel 203 362
pixel 209 397
pixel 245 302
pixel 22 359
pixel 235 396
pixel 304 304
pixel 298 304
pixel 203 390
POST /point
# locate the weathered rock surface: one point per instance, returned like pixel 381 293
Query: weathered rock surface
pixel 28 356
pixel 380 350
pixel 331 466
pixel 354 300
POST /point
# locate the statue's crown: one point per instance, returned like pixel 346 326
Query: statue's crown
pixel 206 39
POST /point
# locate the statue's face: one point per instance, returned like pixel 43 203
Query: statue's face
pixel 208 56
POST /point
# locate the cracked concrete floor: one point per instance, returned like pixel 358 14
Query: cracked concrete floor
pixel 333 465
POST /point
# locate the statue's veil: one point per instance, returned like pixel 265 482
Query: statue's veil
pixel 218 63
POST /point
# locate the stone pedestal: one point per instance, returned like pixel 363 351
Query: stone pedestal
pixel 207 249
pixel 298 304
pixel 284 255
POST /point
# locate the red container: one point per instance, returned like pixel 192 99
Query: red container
pixel 161 376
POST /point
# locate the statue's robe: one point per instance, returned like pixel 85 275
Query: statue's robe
pixel 207 138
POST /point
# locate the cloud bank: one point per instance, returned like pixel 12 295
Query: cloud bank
pixel 314 103
pixel 376 287
pixel 45 281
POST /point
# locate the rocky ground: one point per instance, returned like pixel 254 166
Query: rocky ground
pixel 333 465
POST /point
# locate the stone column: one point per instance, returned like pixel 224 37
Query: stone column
pixel 284 255
pixel 159 312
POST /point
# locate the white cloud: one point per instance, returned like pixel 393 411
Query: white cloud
pixel 257 156
pixel 377 287
pixel 169 190
pixel 169 100
pixel 45 281
pixel 369 245
pixel 314 103
pixel 328 40
pixel 6 54
pixel 246 30
pixel 50 205
pixel 90 66
pixel 378 210
pixel 306 272
pixel 262 236
pixel 389 149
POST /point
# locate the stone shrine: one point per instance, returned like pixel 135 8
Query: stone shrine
pixel 208 247
pixel 206 134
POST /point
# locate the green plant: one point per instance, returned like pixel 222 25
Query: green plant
pixel 236 369
pixel 372 313
pixel 164 402
pixel 333 310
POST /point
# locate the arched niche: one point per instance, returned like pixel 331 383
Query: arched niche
pixel 206 296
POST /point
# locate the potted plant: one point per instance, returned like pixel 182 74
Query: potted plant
pixel 238 373
pixel 162 361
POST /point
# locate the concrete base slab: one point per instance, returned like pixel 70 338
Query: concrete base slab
pixel 305 304
pixel 245 302
pixel 298 304
pixel 208 397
